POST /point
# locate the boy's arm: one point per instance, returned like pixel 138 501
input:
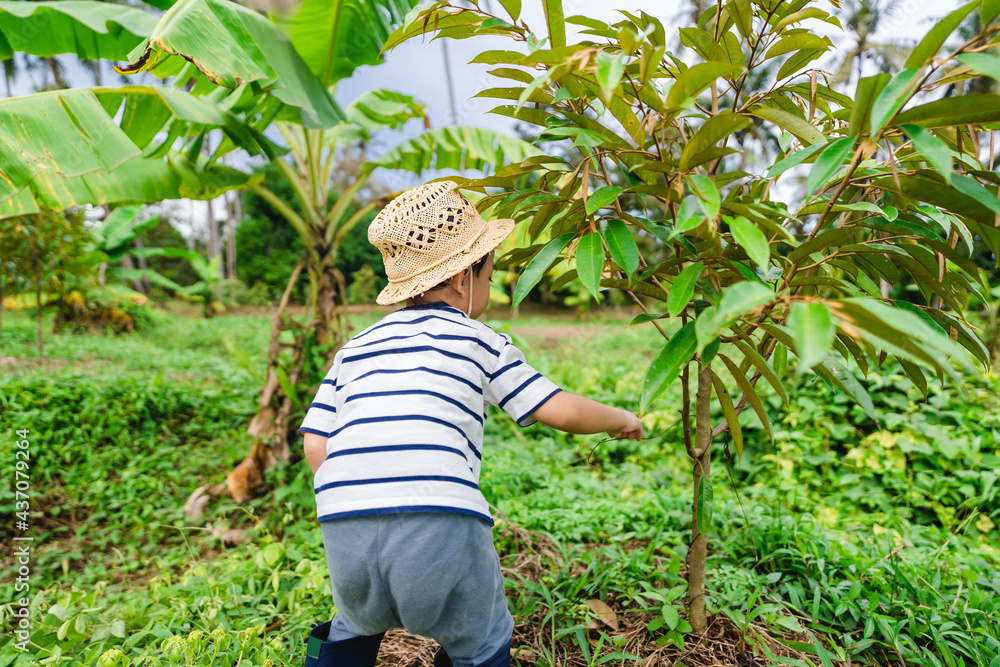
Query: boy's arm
pixel 314 446
pixel 577 414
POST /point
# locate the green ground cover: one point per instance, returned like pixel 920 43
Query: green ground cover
pixel 845 539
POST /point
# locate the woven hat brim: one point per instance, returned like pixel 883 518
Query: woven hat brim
pixel 496 231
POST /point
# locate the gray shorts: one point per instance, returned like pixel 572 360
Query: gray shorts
pixel 436 574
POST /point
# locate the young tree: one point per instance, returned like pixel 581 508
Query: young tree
pixel 894 178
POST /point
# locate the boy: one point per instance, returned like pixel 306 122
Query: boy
pixel 394 438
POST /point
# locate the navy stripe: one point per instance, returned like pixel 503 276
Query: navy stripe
pixel 517 391
pixel 391 480
pixel 417 320
pixel 312 430
pixel 411 350
pixel 395 448
pixel 435 337
pixel 540 404
pixel 421 392
pixel 506 368
pixel 329 382
pixel 323 406
pixel 406 508
pixel 397 418
pixel 463 380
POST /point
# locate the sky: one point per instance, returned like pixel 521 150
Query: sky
pixel 417 68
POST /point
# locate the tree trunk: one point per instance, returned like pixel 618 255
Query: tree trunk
pixel 702 468
pixel 127 263
pixel 38 302
pixel 272 424
pixel 142 267
pixel 230 237
pixel 214 241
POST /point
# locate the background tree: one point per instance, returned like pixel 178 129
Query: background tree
pixel 894 182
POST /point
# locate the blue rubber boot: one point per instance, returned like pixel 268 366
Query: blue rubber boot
pixel 354 652
pixel 499 659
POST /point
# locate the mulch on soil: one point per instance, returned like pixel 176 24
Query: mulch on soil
pixel 721 646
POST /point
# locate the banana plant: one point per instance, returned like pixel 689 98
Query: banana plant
pixel 144 143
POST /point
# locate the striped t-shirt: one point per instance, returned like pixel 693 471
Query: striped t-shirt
pixel 403 409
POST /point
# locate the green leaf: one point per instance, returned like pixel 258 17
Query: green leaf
pixel 538 266
pixel 950 111
pixel 668 364
pixel 602 197
pixel 91 30
pixel 983 63
pixel 683 289
pixel 454 147
pixel 702 43
pixel 812 328
pixel 972 188
pixel 780 357
pixel 866 207
pixel 846 382
pixel 712 349
pixel 622 245
pixel 865 93
pixel 795 158
pixel 742 13
pixel 748 391
pixel 795 63
pixel 334 37
pixel 891 99
pixel 245 47
pixel 689 216
pixel 829 162
pixel 708 195
pixel 737 300
pixel 935 39
pixel 590 262
pixel 711 131
pixel 915 374
pixel 932 148
pixel 694 80
pixel 513 8
pixel 729 412
pixel 379 109
pixel 795 125
pixel 768 373
pixel 555 22
pixel 704 504
pixel 798 42
pixel 750 239
pixel 608 71
pixel 987 12
pixel 287 386
pixel 118 629
pixel 59 164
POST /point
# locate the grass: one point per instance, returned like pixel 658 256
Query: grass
pixel 845 539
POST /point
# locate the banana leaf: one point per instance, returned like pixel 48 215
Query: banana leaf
pixel 91 30
pixel 232 46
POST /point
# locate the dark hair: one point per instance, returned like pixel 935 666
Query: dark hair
pixel 477 268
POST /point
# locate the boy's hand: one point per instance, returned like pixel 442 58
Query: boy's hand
pixel 632 427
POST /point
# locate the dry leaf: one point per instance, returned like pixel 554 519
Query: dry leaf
pixel 605 613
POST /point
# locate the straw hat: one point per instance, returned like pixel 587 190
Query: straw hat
pixel 429 234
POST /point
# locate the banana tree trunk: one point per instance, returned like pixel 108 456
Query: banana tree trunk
pixel 273 425
pixel 38 301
